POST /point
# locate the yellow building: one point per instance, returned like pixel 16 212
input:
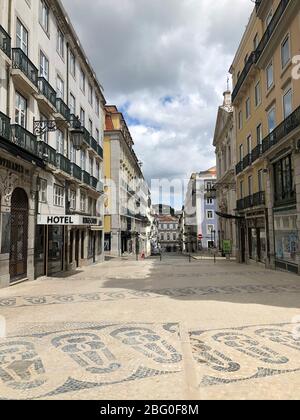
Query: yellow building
pixel 266 99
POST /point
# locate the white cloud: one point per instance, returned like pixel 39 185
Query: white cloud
pixel 166 63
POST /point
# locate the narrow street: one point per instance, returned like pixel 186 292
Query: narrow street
pixel 154 329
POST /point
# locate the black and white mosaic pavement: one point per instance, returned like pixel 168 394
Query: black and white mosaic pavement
pixel 235 355
pixel 63 358
pixel 115 295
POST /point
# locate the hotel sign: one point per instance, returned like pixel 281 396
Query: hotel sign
pixel 69 220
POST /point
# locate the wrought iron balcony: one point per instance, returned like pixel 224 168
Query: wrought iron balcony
pixel 4 126
pixel 93 143
pixel 86 136
pixel 47 90
pixel 63 109
pixel 239 167
pixel 86 178
pixel 76 171
pixel 100 151
pixel 24 139
pixel 255 55
pixel 247 161
pixel 48 153
pixel 256 152
pixel 257 199
pixel 21 62
pixel 63 163
pixel 93 182
pixel 5 42
pixel 75 122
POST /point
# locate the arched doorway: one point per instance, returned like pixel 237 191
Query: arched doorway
pixel 19 235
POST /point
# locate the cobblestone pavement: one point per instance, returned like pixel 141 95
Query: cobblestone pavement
pixel 153 330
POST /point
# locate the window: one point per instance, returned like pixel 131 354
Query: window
pixel 44 15
pixel 285 52
pixel 240 120
pixel 72 199
pixel 284 180
pixel 44 66
pixel 249 144
pixel 82 201
pixel 210 229
pixel 59 196
pixel 241 152
pixel 162 237
pixel 168 237
pixel 98 171
pixel 97 135
pixel 209 214
pixel 82 117
pixel 97 106
pixel 259 135
pixel 90 205
pixel 174 236
pixel 72 64
pixel 255 42
pixel 82 80
pixel 90 94
pixel 91 127
pixel 248 108
pixel 91 166
pixel 250 185
pixel 241 189
pixel 72 104
pixel 60 88
pixel 22 37
pixel 257 94
pixel 260 180
pixel 269 18
pixel 60 46
pixel 271 120
pixel 287 103
pixel 72 153
pixel 43 191
pixel 21 110
pixel 83 160
pixel 60 147
pixel 270 75
pixel 209 201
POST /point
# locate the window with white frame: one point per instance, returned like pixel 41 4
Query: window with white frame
pixel 21 110
pixel 44 66
pixel 90 95
pixel 82 117
pixel 97 106
pixel 43 190
pixel 82 201
pixel 72 63
pixel 60 146
pixel 83 160
pixel 92 166
pixel 257 94
pixel 82 81
pixel 287 103
pixel 285 51
pixel 72 104
pixel 210 229
pixel 259 134
pixel 60 45
pixel 22 37
pixel 249 144
pixel 270 75
pixel 272 119
pixel 60 88
pixel 91 127
pixel 72 199
pixel 44 15
pixel 59 196
pixel 97 135
pixel 209 214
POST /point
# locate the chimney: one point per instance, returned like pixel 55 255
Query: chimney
pixel 227 98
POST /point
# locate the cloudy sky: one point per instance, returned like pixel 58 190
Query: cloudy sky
pixel 165 64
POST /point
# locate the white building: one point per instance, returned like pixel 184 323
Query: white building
pixel 46 81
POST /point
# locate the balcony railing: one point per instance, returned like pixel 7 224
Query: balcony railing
pixel 63 109
pixel 93 182
pixel 75 122
pixel 247 161
pixel 21 62
pixel 48 153
pixel 4 126
pixel 93 143
pixel 100 151
pixel 256 152
pixel 76 171
pixel 239 167
pixel 24 139
pixel 47 90
pixel 86 136
pixel 255 55
pixel 63 163
pixel 86 178
pixel 5 42
pixel 257 199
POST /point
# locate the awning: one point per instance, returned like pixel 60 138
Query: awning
pixel 228 216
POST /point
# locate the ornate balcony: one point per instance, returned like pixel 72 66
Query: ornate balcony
pixel 5 42
pixel 100 151
pixel 63 163
pixel 93 144
pixel 255 200
pixel 48 153
pixel 22 66
pixel 24 139
pixel 93 182
pixel 76 171
pixel 46 91
pixel 86 178
pixel 63 109
pixel 251 60
pixel 4 126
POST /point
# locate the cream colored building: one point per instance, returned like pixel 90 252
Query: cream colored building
pixel 225 187
pixel 52 210
pixel 266 100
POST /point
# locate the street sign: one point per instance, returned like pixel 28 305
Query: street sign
pixel 200 237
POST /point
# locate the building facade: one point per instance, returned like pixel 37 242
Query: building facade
pixel 200 217
pixel 51 189
pixel 225 187
pixel 266 99
pixel 128 200
pixel 168 233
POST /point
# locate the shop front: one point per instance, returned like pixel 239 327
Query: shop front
pixel 66 242
pixel 257 239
